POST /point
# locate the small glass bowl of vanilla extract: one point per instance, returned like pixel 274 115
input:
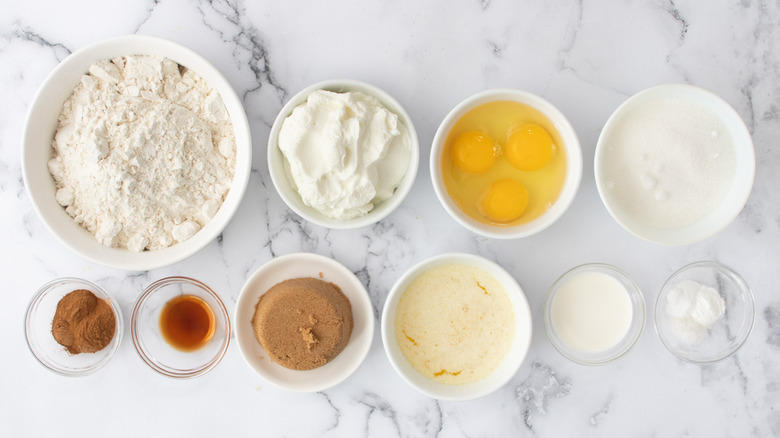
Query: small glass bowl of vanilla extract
pixel 180 327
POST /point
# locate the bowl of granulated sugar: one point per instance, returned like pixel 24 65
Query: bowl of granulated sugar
pixel 674 164
pixel 136 152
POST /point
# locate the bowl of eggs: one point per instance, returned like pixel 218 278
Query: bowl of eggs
pixel 505 163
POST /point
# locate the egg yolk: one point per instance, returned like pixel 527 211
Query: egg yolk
pixel 474 152
pixel 529 147
pixel 504 201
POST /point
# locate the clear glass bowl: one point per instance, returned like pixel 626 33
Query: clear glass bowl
pixel 155 350
pixel 728 333
pixel 625 344
pixel 49 352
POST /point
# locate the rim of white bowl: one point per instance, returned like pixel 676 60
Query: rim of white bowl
pixel 54 216
pixel 573 163
pixel 747 298
pixel 277 163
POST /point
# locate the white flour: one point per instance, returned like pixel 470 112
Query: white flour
pixel 144 153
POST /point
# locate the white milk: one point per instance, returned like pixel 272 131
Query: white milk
pixel 591 312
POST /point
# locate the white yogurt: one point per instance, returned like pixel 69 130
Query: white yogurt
pixel 346 152
pixel 591 312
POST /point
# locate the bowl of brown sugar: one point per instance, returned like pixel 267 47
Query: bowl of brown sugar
pixel 304 322
pixel 73 327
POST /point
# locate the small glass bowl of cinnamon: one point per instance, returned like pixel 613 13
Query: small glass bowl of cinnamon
pixel 180 327
pixel 73 327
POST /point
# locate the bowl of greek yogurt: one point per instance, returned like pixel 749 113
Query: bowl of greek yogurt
pixel 136 152
pixel 704 312
pixel 674 164
pixel 343 154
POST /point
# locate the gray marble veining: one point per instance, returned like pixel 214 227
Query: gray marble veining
pixel 585 57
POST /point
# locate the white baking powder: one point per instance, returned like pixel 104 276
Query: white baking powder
pixel 144 153
pixel 692 308
pixel 669 163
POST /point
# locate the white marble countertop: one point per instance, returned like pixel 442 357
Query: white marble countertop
pixel 584 57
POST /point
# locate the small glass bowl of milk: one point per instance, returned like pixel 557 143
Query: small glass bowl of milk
pixel 594 314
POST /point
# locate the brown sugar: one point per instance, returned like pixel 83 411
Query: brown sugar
pixel 303 323
pixel 83 323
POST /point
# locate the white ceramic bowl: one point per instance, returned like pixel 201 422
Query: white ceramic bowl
pixel 296 266
pixel 41 125
pixel 734 199
pixel 571 145
pixel 624 345
pixel 279 168
pixel 729 332
pixel 506 369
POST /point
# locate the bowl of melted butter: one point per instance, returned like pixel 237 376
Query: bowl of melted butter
pixel 456 326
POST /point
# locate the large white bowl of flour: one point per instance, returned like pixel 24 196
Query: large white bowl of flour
pixel 42 124
pixel 674 164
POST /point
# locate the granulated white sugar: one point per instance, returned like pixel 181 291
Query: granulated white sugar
pixel 669 162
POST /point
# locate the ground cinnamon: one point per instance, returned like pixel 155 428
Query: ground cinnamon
pixel 83 323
